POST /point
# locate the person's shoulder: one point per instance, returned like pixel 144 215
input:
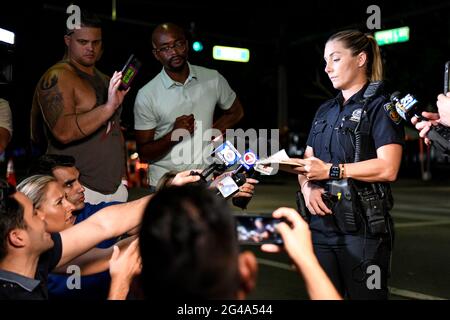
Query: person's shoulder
pixel 154 84
pixel 59 71
pixel 378 102
pixel 4 103
pixel 204 72
pixel 326 105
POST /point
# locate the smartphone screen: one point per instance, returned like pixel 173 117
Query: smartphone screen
pixel 129 71
pixel 257 229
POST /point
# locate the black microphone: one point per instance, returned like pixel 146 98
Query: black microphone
pixel 225 156
pixel 248 162
pixel 408 107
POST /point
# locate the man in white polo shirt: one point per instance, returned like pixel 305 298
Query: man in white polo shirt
pixel 181 96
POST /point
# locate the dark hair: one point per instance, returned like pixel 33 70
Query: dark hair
pixel 11 215
pixel 188 246
pixel 46 163
pixel 359 42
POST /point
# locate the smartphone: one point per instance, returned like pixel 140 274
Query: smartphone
pixel 129 71
pixel 257 229
pixel 446 79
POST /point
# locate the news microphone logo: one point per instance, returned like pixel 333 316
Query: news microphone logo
pixel 227 153
pixel 406 107
pixel 249 159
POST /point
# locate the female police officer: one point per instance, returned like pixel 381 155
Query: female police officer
pixel 346 190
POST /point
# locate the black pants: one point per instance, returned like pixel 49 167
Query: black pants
pixel 358 265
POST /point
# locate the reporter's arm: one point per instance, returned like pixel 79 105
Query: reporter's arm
pixel 95 260
pixel 107 223
pixel 298 244
pixel 124 266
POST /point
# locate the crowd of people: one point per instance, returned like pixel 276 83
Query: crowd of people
pixel 70 215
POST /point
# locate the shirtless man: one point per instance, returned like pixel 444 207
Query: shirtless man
pixel 76 111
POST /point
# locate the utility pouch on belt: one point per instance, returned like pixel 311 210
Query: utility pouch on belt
pixel 374 206
pixel 301 206
pixel 339 199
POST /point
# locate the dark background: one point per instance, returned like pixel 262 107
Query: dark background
pixel 288 33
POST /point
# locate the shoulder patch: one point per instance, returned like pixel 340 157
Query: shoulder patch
pixel 356 115
pixel 392 113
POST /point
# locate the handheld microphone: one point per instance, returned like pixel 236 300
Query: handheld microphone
pixel 225 156
pixel 406 107
pixel 248 162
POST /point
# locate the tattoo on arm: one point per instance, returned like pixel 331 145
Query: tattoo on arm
pixel 51 100
pixel 47 83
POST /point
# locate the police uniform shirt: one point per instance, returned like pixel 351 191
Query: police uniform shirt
pixel 332 139
pixel 14 286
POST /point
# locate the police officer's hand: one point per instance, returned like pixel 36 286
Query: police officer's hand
pixel 315 169
pixel 424 126
pixel 313 199
pixel 186 122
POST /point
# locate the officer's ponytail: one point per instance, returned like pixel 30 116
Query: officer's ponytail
pixel 359 42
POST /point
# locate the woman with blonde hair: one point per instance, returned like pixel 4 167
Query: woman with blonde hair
pixel 353 152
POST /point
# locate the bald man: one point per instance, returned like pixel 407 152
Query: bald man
pixel 174 111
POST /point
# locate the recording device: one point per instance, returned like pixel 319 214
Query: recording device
pixel 257 229
pixel 247 164
pixel 408 107
pixel 129 72
pixel 225 156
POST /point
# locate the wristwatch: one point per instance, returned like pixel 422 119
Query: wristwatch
pixel 335 172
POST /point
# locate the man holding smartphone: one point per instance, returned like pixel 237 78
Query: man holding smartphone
pixel 76 111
